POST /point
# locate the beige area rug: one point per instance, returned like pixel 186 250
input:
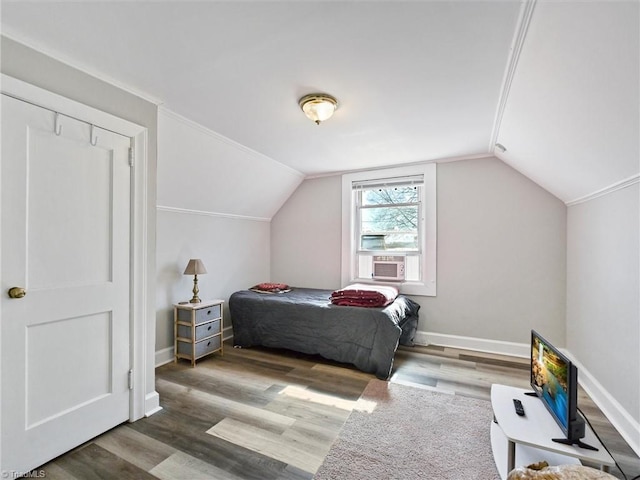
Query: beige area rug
pixel 402 432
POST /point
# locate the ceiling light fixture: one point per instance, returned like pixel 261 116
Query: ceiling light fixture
pixel 318 106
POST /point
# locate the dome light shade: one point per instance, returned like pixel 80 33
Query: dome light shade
pixel 318 106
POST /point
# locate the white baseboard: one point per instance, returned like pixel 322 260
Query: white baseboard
pixel 470 343
pixel 626 425
pixel 164 356
pixel 151 403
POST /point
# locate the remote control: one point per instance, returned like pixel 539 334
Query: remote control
pixel 518 404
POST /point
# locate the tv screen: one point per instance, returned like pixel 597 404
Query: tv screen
pixel 554 379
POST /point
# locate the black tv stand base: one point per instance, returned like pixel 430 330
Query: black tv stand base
pixel 579 443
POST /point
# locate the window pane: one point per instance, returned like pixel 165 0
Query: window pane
pixel 390 196
pixel 389 228
pixel 390 219
pixel 392 241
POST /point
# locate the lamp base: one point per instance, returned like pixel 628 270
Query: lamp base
pixel 196 298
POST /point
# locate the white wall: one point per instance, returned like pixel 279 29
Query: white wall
pixel 501 251
pixel 603 299
pixel 235 252
pixel 501 255
pixel 306 236
pixel 201 170
pixel 215 201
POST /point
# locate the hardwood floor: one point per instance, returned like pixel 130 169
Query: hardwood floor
pixel 266 414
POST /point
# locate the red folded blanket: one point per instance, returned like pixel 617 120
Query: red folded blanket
pixel 363 295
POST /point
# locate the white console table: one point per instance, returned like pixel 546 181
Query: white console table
pixel 521 441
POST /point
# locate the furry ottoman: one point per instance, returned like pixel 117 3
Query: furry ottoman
pixel 561 472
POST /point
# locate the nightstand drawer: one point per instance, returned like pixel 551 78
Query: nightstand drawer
pixel 202 314
pixel 202 331
pixel 202 348
pixel 208 313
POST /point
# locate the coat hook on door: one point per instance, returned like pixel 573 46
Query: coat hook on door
pixel 93 141
pixel 57 127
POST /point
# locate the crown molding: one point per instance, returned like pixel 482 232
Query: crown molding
pixel 627 182
pixel 526 12
pixel 477 156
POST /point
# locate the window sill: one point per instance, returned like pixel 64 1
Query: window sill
pixel 419 289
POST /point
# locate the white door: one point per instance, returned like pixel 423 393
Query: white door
pixel 65 237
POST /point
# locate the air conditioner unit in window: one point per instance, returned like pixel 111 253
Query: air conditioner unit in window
pixel 388 267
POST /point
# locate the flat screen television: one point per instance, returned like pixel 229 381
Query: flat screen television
pixel 554 378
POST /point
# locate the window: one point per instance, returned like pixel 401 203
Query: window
pixel 391 213
pixel 388 217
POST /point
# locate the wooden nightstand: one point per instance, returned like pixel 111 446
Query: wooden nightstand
pixel 197 329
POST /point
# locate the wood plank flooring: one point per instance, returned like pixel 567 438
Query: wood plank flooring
pixel 269 414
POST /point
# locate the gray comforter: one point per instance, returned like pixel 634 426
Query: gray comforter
pixel 305 321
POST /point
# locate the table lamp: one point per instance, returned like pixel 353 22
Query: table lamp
pixel 195 267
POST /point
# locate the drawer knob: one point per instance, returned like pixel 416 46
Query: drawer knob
pixel 208 343
pixel 209 327
pixel 209 312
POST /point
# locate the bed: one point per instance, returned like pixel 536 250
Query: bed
pixel 304 320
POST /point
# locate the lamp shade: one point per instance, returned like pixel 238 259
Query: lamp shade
pixel 318 106
pixel 195 267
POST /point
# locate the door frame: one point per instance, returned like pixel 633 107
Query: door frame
pixel 140 403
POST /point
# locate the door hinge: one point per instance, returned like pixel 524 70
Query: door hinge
pixel 131 157
pixel 130 379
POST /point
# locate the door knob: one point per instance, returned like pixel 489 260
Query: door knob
pixel 17 292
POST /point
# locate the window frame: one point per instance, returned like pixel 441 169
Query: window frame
pixel 428 225
pixel 359 207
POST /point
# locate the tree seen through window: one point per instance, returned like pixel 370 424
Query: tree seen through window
pixel 389 218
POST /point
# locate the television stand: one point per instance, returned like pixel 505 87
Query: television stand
pixel 579 443
pixel 520 441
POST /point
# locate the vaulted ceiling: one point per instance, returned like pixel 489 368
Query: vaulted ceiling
pixel 555 83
